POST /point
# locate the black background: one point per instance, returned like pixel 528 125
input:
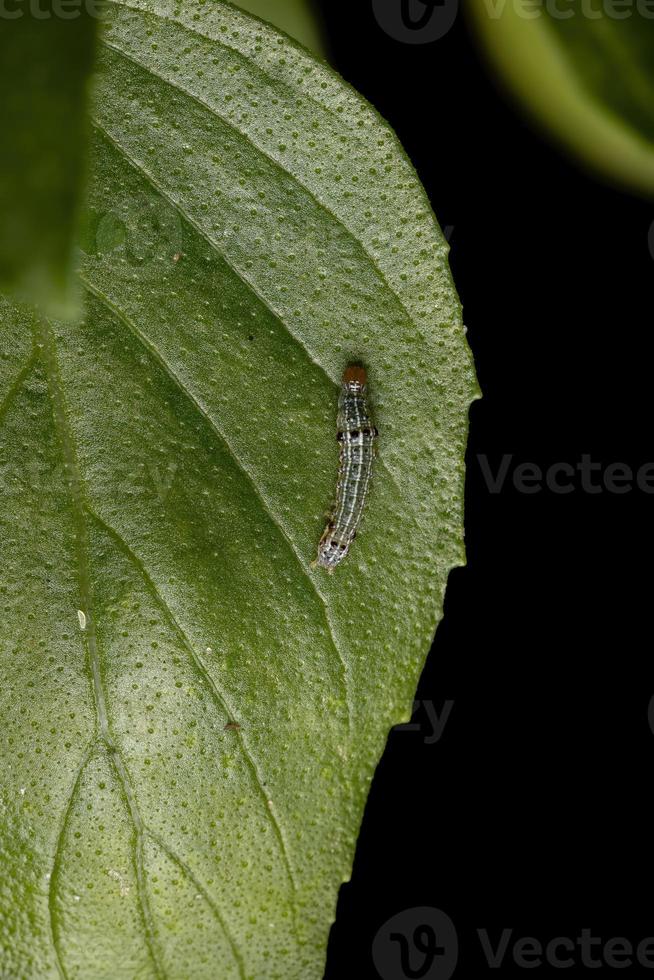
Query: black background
pixel 533 811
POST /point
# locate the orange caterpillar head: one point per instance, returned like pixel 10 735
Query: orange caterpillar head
pixel 355 375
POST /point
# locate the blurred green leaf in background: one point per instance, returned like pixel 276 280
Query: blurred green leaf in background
pixel 585 70
pixel 46 52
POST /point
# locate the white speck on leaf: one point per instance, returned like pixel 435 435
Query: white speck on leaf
pixel 82 619
pixel 116 875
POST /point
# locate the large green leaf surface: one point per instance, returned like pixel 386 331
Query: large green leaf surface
pixel 192 715
pixel 45 59
pixel 585 71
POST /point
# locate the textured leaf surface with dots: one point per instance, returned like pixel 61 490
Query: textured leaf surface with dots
pixel 191 715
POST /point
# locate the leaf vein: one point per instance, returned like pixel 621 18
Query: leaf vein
pixel 186 871
pixel 147 176
pixel 271 159
pixel 46 344
pixel 221 43
pixel 56 862
pixel 266 505
pixel 118 764
pixel 217 695
pixel 139 168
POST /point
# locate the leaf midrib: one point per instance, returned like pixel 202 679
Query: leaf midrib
pixel 45 343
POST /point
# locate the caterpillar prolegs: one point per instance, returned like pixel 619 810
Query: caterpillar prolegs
pixel 356 435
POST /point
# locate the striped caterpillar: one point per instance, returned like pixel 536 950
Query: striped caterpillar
pixel 357 436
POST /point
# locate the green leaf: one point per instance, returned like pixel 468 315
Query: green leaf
pixel 588 77
pixel 192 715
pixel 46 52
pixel 296 17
